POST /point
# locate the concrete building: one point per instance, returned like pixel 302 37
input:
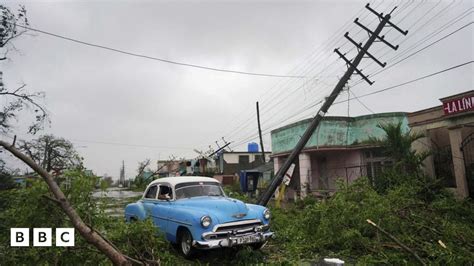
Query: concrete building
pixel 338 149
pixel 449 135
pixel 230 163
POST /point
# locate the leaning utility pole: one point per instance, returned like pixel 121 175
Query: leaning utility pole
pixel 352 66
pixel 260 134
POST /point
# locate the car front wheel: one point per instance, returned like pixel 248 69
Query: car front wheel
pixel 185 244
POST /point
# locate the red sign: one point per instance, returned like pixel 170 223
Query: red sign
pixel 458 105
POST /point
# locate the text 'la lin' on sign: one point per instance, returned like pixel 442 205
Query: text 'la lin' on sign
pixel 458 105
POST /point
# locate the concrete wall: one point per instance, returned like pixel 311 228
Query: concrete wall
pixel 318 172
pixel 335 131
pixel 233 158
pixel 329 166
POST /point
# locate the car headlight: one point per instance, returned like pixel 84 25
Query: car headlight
pixel 267 214
pixel 206 221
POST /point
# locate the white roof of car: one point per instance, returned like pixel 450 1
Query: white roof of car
pixel 183 179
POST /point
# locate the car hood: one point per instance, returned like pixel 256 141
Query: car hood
pixel 222 208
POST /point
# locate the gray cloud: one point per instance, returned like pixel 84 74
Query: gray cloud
pixel 103 96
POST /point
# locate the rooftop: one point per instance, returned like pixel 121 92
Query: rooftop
pixel 335 131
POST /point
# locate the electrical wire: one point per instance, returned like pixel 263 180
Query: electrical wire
pixel 292 94
pixel 336 37
pixel 365 95
pixel 155 58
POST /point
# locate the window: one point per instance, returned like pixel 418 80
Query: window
pixel 151 193
pixel 190 190
pixel 376 163
pixel 165 193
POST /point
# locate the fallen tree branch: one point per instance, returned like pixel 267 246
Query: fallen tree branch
pixel 114 246
pixel 51 199
pixel 397 241
pixel 89 234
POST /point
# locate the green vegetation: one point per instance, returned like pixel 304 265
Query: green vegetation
pixel 307 231
pixel 338 227
pixel 410 207
pixel 31 207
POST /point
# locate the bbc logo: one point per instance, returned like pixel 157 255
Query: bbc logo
pixel 42 237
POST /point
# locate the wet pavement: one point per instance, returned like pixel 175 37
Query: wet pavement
pixel 116 199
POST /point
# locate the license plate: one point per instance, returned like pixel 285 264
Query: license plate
pixel 247 240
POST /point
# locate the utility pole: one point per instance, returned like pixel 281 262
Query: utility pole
pixel 352 67
pixel 122 174
pixel 260 134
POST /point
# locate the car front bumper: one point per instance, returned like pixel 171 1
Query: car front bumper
pixel 231 241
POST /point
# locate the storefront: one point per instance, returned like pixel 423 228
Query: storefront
pixel 449 136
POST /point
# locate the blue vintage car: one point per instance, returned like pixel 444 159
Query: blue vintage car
pixel 194 213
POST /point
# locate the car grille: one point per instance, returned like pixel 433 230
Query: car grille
pixel 235 229
pixel 237 226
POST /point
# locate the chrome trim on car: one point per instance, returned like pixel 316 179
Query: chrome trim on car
pixel 244 222
pixel 235 232
pixel 231 241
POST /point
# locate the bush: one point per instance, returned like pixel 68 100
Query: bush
pixel 31 208
pixel 338 226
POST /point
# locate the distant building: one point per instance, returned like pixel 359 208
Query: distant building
pixel 22 180
pixel 185 167
pixel 338 149
pixel 232 162
pixel 170 167
pixel 229 164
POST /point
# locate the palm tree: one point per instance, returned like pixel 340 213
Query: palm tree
pixel 397 145
pixel 407 163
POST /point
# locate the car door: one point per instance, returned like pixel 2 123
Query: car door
pixel 149 200
pixel 164 202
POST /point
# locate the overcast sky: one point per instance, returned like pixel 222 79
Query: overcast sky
pixel 116 107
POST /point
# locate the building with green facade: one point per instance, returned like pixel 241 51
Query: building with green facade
pixel 338 149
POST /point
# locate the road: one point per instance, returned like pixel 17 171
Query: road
pixel 116 199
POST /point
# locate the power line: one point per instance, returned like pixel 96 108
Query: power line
pixel 268 130
pixel 423 40
pixel 411 81
pixel 363 104
pixel 113 143
pixel 408 13
pixel 420 42
pixel 291 93
pixel 128 144
pixel 317 54
pixel 156 58
pixel 412 54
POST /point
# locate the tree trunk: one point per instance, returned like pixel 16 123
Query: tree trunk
pixel 86 232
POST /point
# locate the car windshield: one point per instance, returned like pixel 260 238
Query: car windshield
pixel 197 190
